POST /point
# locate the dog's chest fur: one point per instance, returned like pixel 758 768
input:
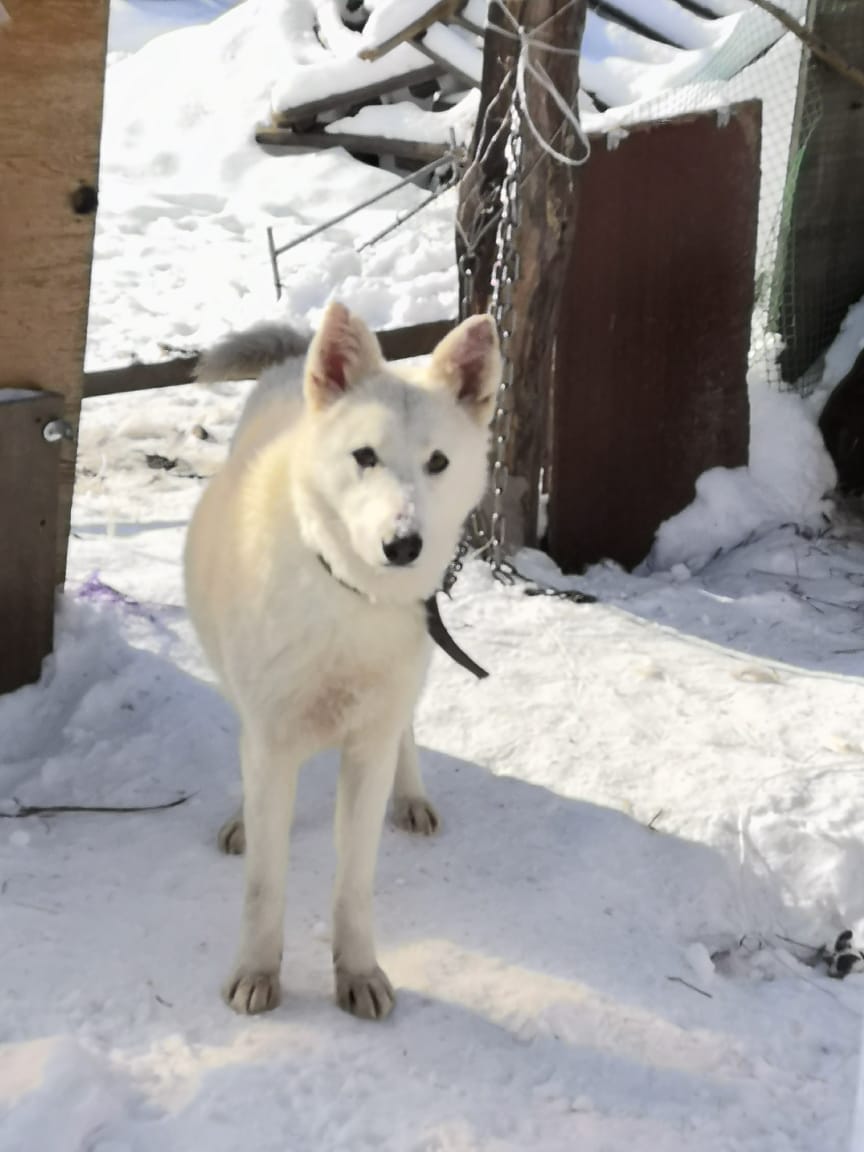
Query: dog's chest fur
pixel 320 659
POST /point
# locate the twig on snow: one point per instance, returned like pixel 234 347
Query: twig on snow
pixel 24 810
pixel 687 984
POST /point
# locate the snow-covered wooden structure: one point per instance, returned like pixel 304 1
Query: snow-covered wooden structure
pixel 417 50
pixel 406 86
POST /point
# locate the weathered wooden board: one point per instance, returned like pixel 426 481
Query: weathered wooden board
pixel 824 260
pixel 651 356
pixel 441 10
pixel 643 26
pixel 29 470
pixel 549 193
pixel 306 113
pixel 415 340
pixel 52 59
pixel 396 344
pixel 418 150
pixel 448 64
pixel 463 20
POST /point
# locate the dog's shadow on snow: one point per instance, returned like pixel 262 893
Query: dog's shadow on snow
pixel 534 937
pixel 533 895
pixel 523 892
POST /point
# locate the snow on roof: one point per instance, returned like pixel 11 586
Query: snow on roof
pixel 632 51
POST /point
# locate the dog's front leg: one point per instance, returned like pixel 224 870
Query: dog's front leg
pixel 365 780
pixel 412 809
pixel 269 786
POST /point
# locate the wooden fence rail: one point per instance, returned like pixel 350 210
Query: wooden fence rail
pixel 396 344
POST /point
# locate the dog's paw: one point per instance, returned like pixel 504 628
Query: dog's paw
pixel 232 837
pixel 251 992
pixel 368 995
pixel 415 814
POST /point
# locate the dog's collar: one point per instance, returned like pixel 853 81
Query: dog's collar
pixel 435 626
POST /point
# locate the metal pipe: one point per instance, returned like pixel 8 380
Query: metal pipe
pixel 274 264
pixel 406 215
pixel 430 167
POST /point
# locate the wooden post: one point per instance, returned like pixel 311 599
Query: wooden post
pixel 549 191
pixel 823 261
pixel 52 64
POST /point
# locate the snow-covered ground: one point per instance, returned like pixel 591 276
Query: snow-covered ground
pixel 669 775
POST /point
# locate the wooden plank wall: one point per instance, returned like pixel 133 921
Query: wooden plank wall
pixel 824 257
pixel 52 65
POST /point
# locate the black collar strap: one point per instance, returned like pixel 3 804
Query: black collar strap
pixel 437 629
pixel 435 626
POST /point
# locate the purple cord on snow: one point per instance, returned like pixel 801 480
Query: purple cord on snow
pixel 95 590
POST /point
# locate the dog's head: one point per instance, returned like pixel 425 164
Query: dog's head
pixel 393 461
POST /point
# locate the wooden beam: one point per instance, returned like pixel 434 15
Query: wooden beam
pixel 396 344
pixel 352 97
pixel 444 64
pixel 52 63
pixel 443 10
pixel 417 340
pixel 285 138
pixel 549 195
pixel 29 471
pixel 701 10
pixel 460 20
pixel 609 11
pixel 138 377
pixel 823 259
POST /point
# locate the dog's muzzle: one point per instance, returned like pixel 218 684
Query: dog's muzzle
pixel 403 550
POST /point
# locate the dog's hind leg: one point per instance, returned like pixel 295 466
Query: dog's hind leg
pixel 412 809
pixel 365 779
pixel 231 837
pixel 269 787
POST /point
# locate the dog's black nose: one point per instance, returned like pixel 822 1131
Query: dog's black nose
pixel 404 550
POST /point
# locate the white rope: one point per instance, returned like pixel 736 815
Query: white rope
pixel 542 77
pixel 530 41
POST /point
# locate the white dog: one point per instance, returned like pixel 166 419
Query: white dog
pixel 308 562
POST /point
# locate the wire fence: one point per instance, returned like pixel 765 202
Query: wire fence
pixel 758 60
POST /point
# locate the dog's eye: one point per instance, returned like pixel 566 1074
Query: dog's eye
pixel 365 457
pixel 436 463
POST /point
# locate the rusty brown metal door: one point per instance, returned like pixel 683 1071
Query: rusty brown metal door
pixel 651 358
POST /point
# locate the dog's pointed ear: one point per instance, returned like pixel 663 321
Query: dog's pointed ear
pixel 468 362
pixel 342 352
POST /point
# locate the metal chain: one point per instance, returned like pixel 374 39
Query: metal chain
pixel 505 273
pixel 454 568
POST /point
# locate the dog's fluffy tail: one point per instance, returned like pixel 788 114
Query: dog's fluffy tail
pixel 245 355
